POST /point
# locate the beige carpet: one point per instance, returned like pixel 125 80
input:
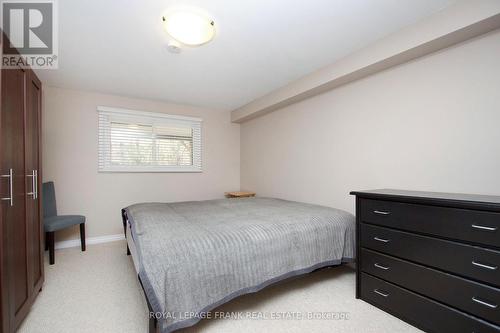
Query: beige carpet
pixel 98 291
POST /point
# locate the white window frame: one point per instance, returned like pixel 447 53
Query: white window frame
pixel 107 114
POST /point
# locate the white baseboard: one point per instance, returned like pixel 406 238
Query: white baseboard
pixel 89 241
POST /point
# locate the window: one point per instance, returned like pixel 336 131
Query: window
pixel 136 141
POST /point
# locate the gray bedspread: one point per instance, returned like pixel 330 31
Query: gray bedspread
pixel 194 256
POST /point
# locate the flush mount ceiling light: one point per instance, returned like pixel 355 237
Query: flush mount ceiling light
pixel 189 27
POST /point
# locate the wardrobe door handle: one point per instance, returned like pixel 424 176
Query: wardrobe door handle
pixel 381 293
pixel 381 267
pixel 492 306
pixel 10 198
pixel 381 212
pixel 485 228
pixel 492 268
pixel 33 186
pixel 381 240
pixel 35 172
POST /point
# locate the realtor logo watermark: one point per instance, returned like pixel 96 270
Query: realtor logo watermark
pixel 31 27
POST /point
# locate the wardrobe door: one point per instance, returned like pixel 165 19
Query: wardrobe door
pixel 33 177
pixel 13 194
pixel 4 314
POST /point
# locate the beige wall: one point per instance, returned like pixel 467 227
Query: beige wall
pixel 70 159
pixel 431 124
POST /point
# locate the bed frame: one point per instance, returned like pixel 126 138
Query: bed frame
pixel 153 322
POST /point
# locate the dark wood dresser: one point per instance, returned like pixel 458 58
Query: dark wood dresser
pixel 430 259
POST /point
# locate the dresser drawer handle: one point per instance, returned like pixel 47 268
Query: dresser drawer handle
pixel 492 306
pixel 481 227
pixel 381 240
pixel 380 266
pixel 493 268
pixel 381 212
pixel 376 291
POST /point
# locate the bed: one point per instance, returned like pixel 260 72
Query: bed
pixel 194 256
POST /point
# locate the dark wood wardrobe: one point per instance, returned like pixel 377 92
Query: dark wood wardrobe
pixel 21 229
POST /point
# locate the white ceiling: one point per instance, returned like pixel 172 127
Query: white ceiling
pixel 119 46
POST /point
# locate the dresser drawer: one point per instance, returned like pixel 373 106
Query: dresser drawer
pixel 472 297
pixel 469 261
pixel 429 315
pixel 475 226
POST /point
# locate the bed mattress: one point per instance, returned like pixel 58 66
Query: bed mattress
pixel 194 256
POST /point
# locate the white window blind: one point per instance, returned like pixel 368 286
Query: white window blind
pixel 136 141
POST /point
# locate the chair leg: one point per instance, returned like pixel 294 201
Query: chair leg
pixel 82 235
pixel 46 242
pixel 50 240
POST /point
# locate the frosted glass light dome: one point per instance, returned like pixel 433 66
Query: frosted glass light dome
pixel 189 28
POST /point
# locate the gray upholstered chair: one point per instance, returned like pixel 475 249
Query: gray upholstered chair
pixel 53 222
